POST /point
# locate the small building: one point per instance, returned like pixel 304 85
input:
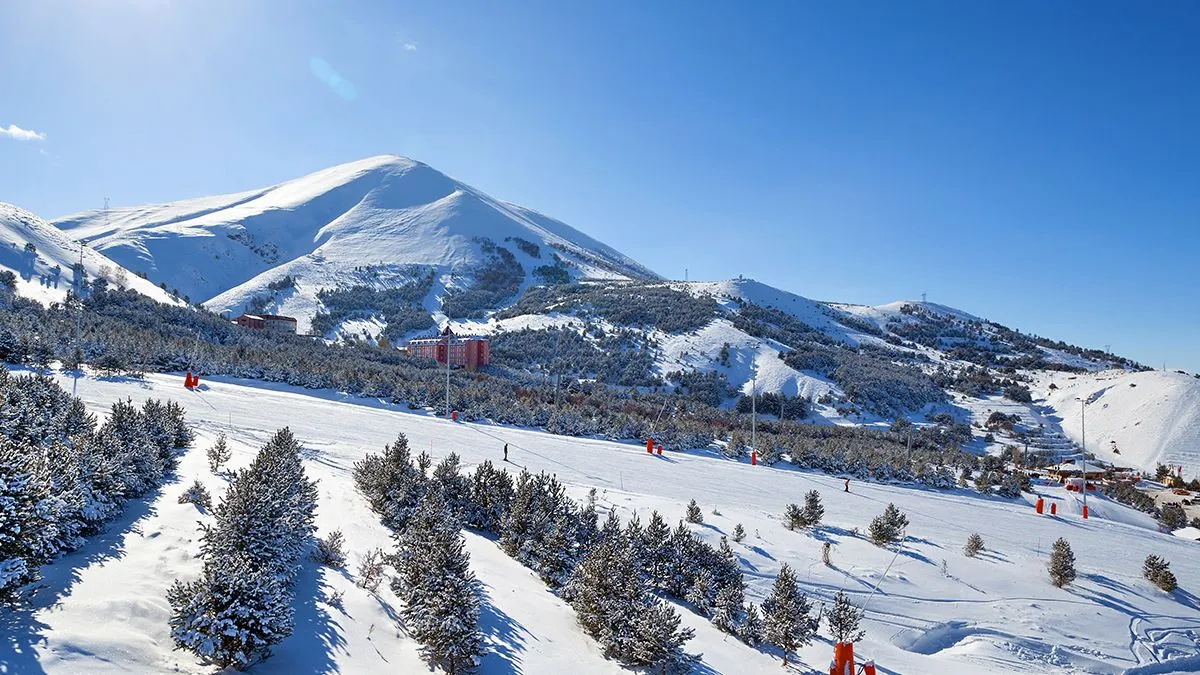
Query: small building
pixel 269 322
pixel 1091 471
pixel 465 351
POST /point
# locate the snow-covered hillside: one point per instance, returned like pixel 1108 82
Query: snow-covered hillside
pixel 936 611
pixel 44 259
pixel 358 221
pixel 1132 419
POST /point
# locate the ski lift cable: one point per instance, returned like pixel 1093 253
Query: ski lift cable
pixel 881 579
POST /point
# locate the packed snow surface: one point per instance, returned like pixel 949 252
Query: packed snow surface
pixel 936 611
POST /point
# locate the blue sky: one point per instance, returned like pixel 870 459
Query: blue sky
pixel 1036 163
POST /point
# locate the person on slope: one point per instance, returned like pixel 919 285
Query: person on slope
pixel 506 452
pixel 847 485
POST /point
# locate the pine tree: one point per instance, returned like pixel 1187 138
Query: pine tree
pixel 1158 571
pixel 218 454
pixel 454 488
pixel 441 593
pixel 727 612
pixel 25 530
pixel 655 543
pixel 974 545
pixel 694 515
pixel 231 615
pixel 888 527
pixel 813 510
pixel 702 592
pixel 491 495
pixel 793 518
pixel 1062 563
pixel 658 639
pixel 786 622
pixel 739 533
pixel 751 630
pixel 844 620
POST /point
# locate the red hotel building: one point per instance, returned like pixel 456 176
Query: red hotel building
pixel 468 351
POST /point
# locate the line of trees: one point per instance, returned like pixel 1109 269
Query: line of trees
pixel 62 477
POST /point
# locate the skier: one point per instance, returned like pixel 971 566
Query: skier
pixel 506 452
pixel 847 485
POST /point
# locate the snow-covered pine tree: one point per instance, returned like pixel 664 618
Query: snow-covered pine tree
pixel 1158 572
pixel 491 494
pixel 793 517
pixel 786 621
pixel 454 488
pixel 728 613
pixel 197 494
pixel 739 533
pixel 218 454
pixel 813 510
pixel 888 527
pixel 231 615
pixel 331 550
pixel 603 590
pixel 703 592
pixel 391 483
pixel 752 628
pixel 1062 563
pixel 588 531
pixel 974 545
pixel 681 556
pixel 983 481
pixel 655 540
pixel 658 639
pixel 441 593
pixel 844 619
pixel 694 515
pixel 25 530
pixel 124 438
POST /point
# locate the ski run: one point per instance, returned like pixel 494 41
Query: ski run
pixel 104 607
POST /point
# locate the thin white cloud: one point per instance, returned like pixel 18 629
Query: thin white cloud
pixel 17 133
pixel 410 46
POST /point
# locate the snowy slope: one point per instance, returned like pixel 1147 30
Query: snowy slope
pixel 46 274
pixel 996 613
pixel 380 212
pixel 1152 417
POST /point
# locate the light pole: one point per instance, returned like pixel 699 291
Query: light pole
pixel 753 406
pixel 1083 455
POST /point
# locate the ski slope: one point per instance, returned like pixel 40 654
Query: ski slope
pixel 996 613
pixel 46 274
pixel 1152 417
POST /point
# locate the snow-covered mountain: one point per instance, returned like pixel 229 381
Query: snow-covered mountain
pixel 391 247
pixel 43 259
pixel 362 223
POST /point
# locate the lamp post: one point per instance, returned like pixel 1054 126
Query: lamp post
pixel 1083 455
pixel 754 405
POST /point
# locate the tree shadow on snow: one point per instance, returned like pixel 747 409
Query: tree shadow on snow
pixel 504 637
pixel 316 636
pixel 20 630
